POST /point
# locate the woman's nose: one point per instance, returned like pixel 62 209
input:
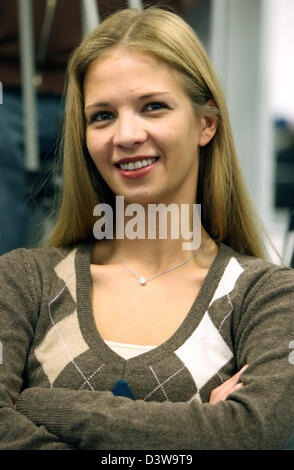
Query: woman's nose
pixel 129 131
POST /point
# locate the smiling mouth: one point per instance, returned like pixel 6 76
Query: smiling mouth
pixel 136 165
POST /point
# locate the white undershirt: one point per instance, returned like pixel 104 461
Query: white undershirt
pixel 128 350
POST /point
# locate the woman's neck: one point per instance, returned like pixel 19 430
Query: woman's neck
pixel 152 256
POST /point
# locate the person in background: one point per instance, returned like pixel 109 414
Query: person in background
pixel 15 214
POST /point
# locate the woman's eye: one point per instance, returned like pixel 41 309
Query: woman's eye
pixel 101 116
pixel 155 106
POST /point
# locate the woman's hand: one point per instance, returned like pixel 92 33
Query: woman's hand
pixel 229 386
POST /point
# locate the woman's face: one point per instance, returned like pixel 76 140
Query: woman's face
pixel 141 129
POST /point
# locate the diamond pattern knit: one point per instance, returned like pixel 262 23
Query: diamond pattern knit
pixel 242 314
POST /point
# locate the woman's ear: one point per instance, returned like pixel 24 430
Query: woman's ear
pixel 208 129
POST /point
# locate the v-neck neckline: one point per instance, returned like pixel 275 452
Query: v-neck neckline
pixel 197 310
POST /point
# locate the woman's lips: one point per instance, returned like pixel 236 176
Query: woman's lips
pixel 137 173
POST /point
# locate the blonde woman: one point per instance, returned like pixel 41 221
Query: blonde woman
pixel 136 342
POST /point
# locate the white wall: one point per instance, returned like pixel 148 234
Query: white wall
pixel 238 51
pixel 252 51
pixel 281 43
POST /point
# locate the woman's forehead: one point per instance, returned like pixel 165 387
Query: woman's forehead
pixel 127 58
pixel 134 70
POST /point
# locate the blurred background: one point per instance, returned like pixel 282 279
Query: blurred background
pixel 250 43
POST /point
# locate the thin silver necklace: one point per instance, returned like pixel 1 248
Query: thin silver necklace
pixel 143 280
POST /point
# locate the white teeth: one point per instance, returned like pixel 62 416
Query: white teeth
pixel 137 164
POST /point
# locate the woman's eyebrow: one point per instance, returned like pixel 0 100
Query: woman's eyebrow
pixel 154 93
pixel 142 97
pixel 96 105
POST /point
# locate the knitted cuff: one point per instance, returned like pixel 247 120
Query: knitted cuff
pixel 48 409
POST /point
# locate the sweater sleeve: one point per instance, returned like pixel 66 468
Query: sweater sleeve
pixel 258 416
pixel 18 315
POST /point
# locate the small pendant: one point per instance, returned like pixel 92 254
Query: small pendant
pixel 142 281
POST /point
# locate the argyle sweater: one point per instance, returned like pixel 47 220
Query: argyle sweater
pixel 62 387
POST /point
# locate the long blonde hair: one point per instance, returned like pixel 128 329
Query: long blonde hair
pixel 228 214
